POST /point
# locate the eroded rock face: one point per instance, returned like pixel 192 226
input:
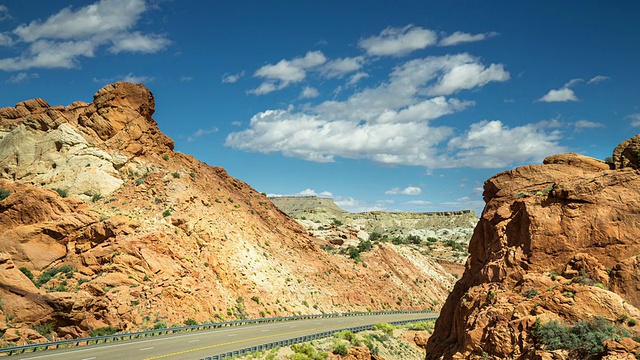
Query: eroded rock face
pixel 169 238
pixel 80 148
pixel 555 241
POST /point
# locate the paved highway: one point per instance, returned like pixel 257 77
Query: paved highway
pixel 200 344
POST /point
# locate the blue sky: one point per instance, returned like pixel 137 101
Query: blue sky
pixel 382 105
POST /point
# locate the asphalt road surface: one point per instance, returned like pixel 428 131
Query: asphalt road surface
pixel 200 344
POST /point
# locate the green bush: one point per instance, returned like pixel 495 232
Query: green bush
pixel 166 213
pixel 176 175
pixel 582 340
pixel 104 331
pixel 422 326
pixel 354 253
pixel 374 236
pixel 96 197
pixel 337 222
pixel 165 157
pixel 384 327
pixel 347 335
pixel 61 192
pixel 27 273
pixel 160 325
pixel 47 275
pixel 414 239
pixel 531 293
pixel 364 245
pixel 190 321
pixel 340 349
pixel 4 194
pixel 306 351
pixel 43 329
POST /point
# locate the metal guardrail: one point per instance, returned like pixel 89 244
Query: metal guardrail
pixel 302 339
pixel 207 326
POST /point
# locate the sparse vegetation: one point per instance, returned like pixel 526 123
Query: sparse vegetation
pixel 44 329
pixel 104 331
pixel 27 273
pixel 47 275
pixel 192 174
pixel 96 197
pixel 176 175
pixel 160 325
pixel 190 322
pixel 166 213
pixel 306 351
pixel 4 194
pixel 61 192
pixel 340 349
pixel 165 157
pixel 582 340
pixel 384 327
pixel 531 293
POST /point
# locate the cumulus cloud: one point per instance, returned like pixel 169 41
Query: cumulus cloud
pixel 340 67
pixel 201 132
pixel 185 78
pixel 398 41
pixel 559 95
pixel 309 92
pixel 390 123
pixel 492 144
pixel 5 40
pixel 459 37
pixel 60 40
pixel 232 78
pixel 586 124
pixel 306 192
pixel 410 190
pixel 280 75
pixel 130 77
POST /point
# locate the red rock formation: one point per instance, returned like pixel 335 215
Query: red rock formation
pixel 173 239
pixel 555 241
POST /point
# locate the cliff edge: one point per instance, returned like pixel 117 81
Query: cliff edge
pixel 554 256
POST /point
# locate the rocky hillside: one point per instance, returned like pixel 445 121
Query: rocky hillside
pixel 103 227
pixel 553 269
pixel 441 236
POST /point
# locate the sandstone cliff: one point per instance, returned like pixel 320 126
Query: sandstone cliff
pixel 104 227
pixel 558 241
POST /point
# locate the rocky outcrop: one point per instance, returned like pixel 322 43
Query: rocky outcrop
pixel 147 236
pixel 558 241
pixel 81 148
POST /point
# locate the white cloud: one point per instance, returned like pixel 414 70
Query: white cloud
pixel 185 78
pixel 459 37
pixel 309 92
pixel 340 67
pixel 286 72
pixel 419 202
pixel 130 77
pixel 467 76
pixel 410 190
pixel 21 77
pixel 232 78
pixel 356 206
pixel 491 144
pixel 5 40
pixel 597 79
pixel 4 13
pixel 635 119
pixel 559 95
pixel 60 40
pixel 398 41
pixel 311 192
pixel 201 132
pixel 389 124
pixel 357 77
pixel 586 124
pixel 137 42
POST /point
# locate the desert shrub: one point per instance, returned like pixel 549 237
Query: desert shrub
pixel 364 245
pixel 454 245
pixel 47 275
pixel 340 349
pixel 337 222
pixel 306 351
pixel 632 322
pixel 354 253
pixel 347 335
pixel 140 181
pixel 104 331
pixel 43 329
pixel 192 174
pixel 384 327
pixel 4 194
pixel 422 326
pixel 374 236
pixel 27 273
pixel 96 197
pixel 166 213
pixel 414 239
pixel 190 321
pixel 398 241
pixel 531 293
pixel 61 192
pixel 176 175
pixel 431 239
pixel 165 157
pixel 582 340
pixel 160 325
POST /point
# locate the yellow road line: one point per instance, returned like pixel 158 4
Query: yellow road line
pixel 223 344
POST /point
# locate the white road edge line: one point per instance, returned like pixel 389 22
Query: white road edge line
pixel 149 348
